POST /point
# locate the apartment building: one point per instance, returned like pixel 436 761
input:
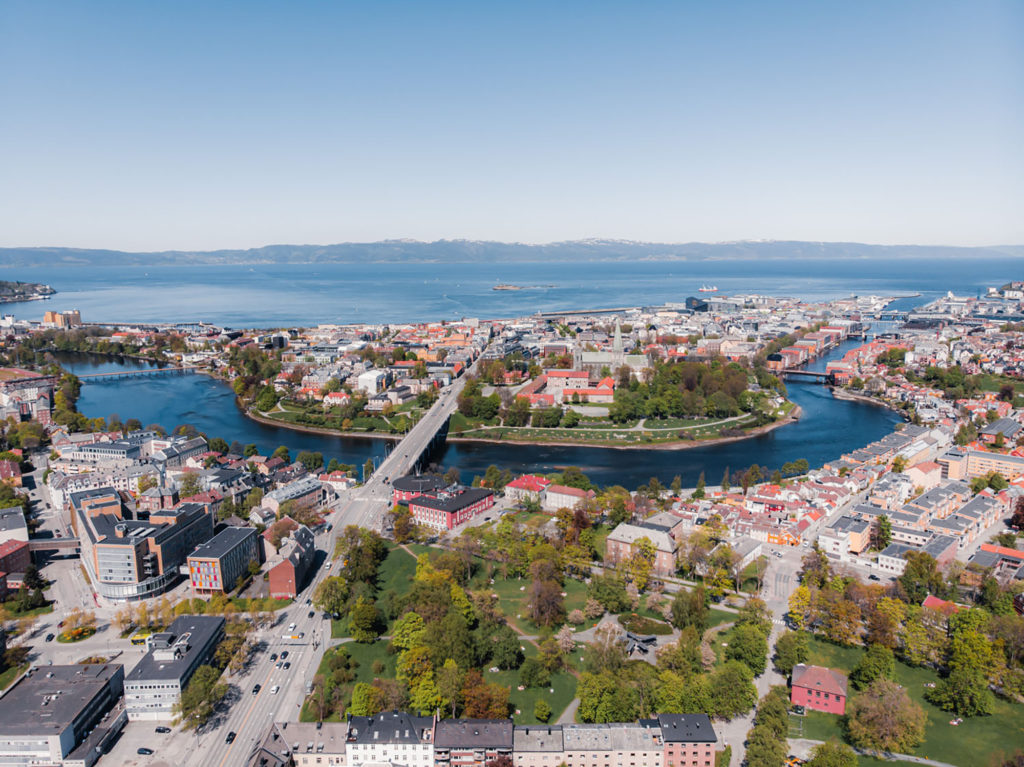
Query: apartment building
pixel 471 742
pixel 689 740
pixel 218 564
pixel 393 737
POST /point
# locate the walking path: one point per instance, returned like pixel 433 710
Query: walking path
pixel 802 747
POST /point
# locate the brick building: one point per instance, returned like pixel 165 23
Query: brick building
pixel 449 508
pixel 818 688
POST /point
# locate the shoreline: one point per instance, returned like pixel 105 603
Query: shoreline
pixel 846 394
pixel 793 417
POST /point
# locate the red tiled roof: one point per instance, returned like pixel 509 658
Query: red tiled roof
pixel 819 678
pixel 530 482
pixel 9 547
pixel 942 605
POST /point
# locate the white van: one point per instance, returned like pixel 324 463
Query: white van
pixel 274 689
pixel 291 627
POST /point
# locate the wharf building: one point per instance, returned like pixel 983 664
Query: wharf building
pixel 216 566
pixel 153 687
pixel 133 559
pixel 61 715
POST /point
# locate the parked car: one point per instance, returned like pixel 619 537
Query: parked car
pixel 49 637
pixel 163 730
pixel 144 751
pixel 278 664
pixel 256 690
pixel 287 665
pixel 273 656
pixel 873 577
pixel 230 738
pixel 284 653
pixel 311 614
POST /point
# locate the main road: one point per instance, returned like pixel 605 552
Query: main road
pixel 249 715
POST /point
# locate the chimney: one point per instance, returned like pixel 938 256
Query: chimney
pixel 120 530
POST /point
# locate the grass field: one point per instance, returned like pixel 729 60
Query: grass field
pixel 959 745
pixel 8 676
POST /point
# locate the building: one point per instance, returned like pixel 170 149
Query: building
pixel 218 564
pixel 13 526
pixel 10 473
pixel 404 489
pixel 620 744
pixel 320 744
pixel 15 556
pixel 63 320
pixel 305 493
pixel 563 497
pixel 622 543
pixel 154 686
pixel 394 736
pixel 26 396
pixel 296 554
pixel 59 715
pixel 372 381
pixel 529 488
pixel 471 742
pixel 818 688
pixel 689 740
pixel 847 535
pixel 447 509
pixel 538 745
pixel 967 464
pixel 130 559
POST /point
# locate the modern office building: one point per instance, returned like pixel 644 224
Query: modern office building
pixel 135 559
pixel 59 714
pixel 218 564
pixel 154 686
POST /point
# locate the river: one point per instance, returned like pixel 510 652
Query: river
pixel 827 429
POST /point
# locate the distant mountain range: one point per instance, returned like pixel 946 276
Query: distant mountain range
pixel 473 251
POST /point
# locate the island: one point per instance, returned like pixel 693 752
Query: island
pixel 10 292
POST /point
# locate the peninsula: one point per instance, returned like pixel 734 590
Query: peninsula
pixel 11 292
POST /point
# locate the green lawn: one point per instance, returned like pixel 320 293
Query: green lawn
pixel 8 676
pixel 13 613
pixel 959 745
pixel 717 617
pixel 523 701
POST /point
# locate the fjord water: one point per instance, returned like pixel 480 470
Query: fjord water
pixel 827 429
pixel 265 295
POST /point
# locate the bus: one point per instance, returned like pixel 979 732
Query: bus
pixel 140 637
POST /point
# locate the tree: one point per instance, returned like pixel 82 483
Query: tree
pixel 725 481
pixel 921 577
pixel 749 646
pixel 250 450
pixel 331 594
pixel 533 673
pixel 546 603
pixel 964 692
pixel 408 631
pixel 732 690
pixel 832 753
pixel 800 607
pixel 365 621
pixel 283 453
pixel 541 710
pixel 881 532
pixel 884 718
pixel 689 608
pixel 607 652
pixel 877 662
pixel 449 685
pixel 637 567
pixel 189 484
pixel 791 648
pixel 367 700
pixel 698 492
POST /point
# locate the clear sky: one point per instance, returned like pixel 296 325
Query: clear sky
pixel 199 125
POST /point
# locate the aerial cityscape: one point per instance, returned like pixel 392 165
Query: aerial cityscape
pixel 512 385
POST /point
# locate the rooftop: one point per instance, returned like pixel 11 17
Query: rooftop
pixel 819 678
pixel 476 733
pixel 172 653
pixel 686 728
pixel 49 699
pixel 223 542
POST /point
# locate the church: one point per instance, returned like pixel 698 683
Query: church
pixel 595 362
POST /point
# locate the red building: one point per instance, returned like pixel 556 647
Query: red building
pixel 404 489
pixel 818 688
pixel 287 577
pixel 14 556
pixel 446 509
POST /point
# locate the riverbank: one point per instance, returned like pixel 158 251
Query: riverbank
pixel 316 429
pixel 682 444
pixel 846 394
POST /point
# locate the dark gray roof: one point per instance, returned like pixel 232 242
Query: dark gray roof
pixel 452 502
pixel 687 728
pixel 390 727
pixel 200 630
pixel 223 542
pixel 52 697
pixel 473 733
pixel 419 483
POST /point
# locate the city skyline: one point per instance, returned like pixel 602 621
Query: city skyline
pixel 198 128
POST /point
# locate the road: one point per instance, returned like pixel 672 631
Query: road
pixel 249 715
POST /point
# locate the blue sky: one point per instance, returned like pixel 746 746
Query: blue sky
pixel 204 125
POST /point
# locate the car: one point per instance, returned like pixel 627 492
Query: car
pixel 309 601
pixel 799 710
pixel 163 730
pixel 778 554
pixel 274 689
pixel 327 565
pixel 284 654
pixel 278 664
pixel 311 614
pixel 291 626
pixel 256 689
pixel 49 637
pixel 144 751
pixel 287 665
pixel 230 738
pixel 319 724
pixel 273 656
pixel 873 577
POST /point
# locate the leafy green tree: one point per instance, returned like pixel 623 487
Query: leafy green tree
pixel 365 621
pixel 533 673
pixel 690 608
pixel 331 595
pixel 965 692
pixel 251 450
pixel 921 578
pixel 832 753
pixel 791 648
pixel 367 700
pixel 541 710
pixel 677 693
pixel 698 492
pixel 732 689
pixel 877 662
pixel 408 631
pixel 748 645
pixel 283 454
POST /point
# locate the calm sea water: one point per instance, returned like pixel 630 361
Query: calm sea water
pixel 266 296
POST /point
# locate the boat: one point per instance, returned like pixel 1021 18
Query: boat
pixel 707 288
pixel 507 287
